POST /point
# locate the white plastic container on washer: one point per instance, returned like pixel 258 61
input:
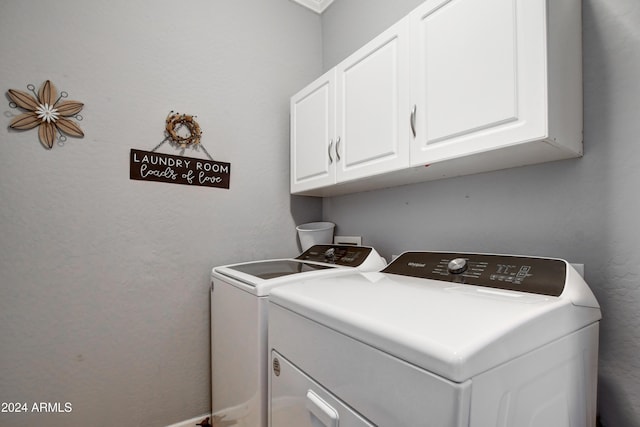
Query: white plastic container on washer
pixel 315 233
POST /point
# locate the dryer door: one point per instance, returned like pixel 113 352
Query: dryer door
pixel 297 400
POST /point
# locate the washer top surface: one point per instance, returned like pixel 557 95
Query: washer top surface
pixel 455 326
pixel 272 269
pixel 259 277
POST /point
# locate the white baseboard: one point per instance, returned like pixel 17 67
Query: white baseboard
pixel 192 422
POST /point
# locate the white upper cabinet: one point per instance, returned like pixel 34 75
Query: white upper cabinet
pixel 352 122
pixel 459 86
pixel 372 107
pixel 312 135
pixel 480 78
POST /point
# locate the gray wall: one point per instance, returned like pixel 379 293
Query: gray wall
pixel 104 289
pixel 584 210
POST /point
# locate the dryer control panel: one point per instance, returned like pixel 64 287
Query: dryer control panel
pixel 544 276
pixel 350 256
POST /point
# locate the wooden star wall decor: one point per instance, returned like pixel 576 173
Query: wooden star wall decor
pixel 48 111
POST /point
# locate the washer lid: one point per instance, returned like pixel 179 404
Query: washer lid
pixel 454 330
pixel 275 268
pixel 259 277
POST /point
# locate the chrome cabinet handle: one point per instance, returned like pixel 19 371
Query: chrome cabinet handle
pixel 338 148
pixel 413 120
pixel 330 147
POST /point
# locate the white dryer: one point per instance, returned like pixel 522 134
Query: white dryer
pixel 437 339
pixel 239 352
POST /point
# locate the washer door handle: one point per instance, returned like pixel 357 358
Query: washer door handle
pixel 320 409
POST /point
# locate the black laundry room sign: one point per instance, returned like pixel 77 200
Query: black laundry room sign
pixel 151 166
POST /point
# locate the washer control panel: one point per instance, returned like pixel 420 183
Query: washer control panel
pixel 350 256
pixel 517 273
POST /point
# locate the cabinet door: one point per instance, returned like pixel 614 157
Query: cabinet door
pixel 478 76
pixel 373 106
pixel 312 135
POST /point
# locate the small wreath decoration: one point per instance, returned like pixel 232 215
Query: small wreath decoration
pixel 176 121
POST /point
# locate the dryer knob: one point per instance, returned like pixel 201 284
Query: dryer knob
pixel 457 266
pixel 330 254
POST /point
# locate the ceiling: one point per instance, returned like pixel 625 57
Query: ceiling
pixel 317 6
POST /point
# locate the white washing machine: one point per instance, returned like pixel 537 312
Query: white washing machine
pixel 437 339
pixel 239 352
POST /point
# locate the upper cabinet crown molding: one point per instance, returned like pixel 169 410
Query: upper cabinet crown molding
pixel 317 6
